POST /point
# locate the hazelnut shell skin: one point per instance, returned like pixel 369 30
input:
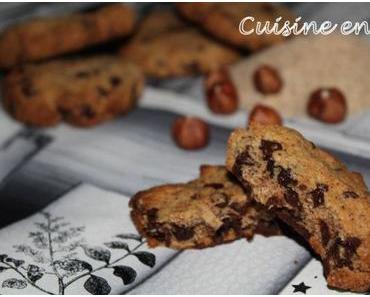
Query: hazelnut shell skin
pixel 221 94
pixel 327 105
pixel 264 115
pixel 190 133
pixel 267 80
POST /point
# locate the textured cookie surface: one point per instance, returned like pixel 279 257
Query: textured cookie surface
pixel 166 46
pixel 210 210
pixel 325 203
pixel 41 38
pixel 222 21
pixel 81 92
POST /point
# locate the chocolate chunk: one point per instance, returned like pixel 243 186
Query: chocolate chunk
pixel 27 88
pixel 273 202
pixel 342 251
pixel 317 195
pixel 291 197
pixel 302 187
pixel 192 67
pixel 182 233
pixel 152 215
pixel 239 208
pixel 101 91
pixel 82 74
pixel 229 223
pixel 285 178
pixel 268 147
pixel 88 112
pixel 115 81
pixel 270 166
pixel 158 234
pixel 220 199
pixel 350 194
pixel 325 233
pixel 292 220
pixel 215 186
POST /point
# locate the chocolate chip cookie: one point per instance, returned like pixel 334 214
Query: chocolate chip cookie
pixel 165 46
pixel 221 20
pixel 312 192
pixel 42 38
pixel 81 92
pixel 210 210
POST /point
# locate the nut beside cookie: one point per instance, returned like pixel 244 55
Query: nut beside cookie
pixel 81 92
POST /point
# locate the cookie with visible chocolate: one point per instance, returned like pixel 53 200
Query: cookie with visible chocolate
pixel 166 46
pixel 311 191
pixel 81 92
pixel 210 210
pixel 45 37
pixel 221 20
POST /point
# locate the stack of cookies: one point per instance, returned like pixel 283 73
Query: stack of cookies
pixel 273 176
pixel 166 43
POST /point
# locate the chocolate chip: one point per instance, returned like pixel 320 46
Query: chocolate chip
pixel 302 187
pixel 101 91
pixel 193 67
pixel 115 81
pixel 317 195
pixel 82 74
pixel 88 112
pixel 229 223
pixel 270 167
pixel 268 147
pixel 27 88
pixel 215 186
pixel 325 233
pixel 350 194
pixel 220 199
pixel 182 233
pixel 239 208
pixel 291 197
pixel 285 178
pixel 151 215
pixel 292 220
pixel 342 251
pixel 273 202
pixel 242 159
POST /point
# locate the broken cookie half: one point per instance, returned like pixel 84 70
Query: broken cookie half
pixel 207 211
pixel 311 191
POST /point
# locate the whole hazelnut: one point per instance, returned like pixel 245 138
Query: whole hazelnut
pixel 264 115
pixel 267 80
pixel 190 133
pixel 327 105
pixel 221 94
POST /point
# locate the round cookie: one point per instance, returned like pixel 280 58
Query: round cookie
pixel 165 46
pixel 42 38
pixel 81 92
pixel 221 20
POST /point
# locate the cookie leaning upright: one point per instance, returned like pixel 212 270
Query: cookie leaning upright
pixel 312 192
pixel 46 37
pixel 166 46
pixel 221 20
pixel 210 210
pixel 81 92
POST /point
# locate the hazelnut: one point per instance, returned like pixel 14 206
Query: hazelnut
pixel 220 92
pixel 190 133
pixel 267 80
pixel 327 105
pixel 264 115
